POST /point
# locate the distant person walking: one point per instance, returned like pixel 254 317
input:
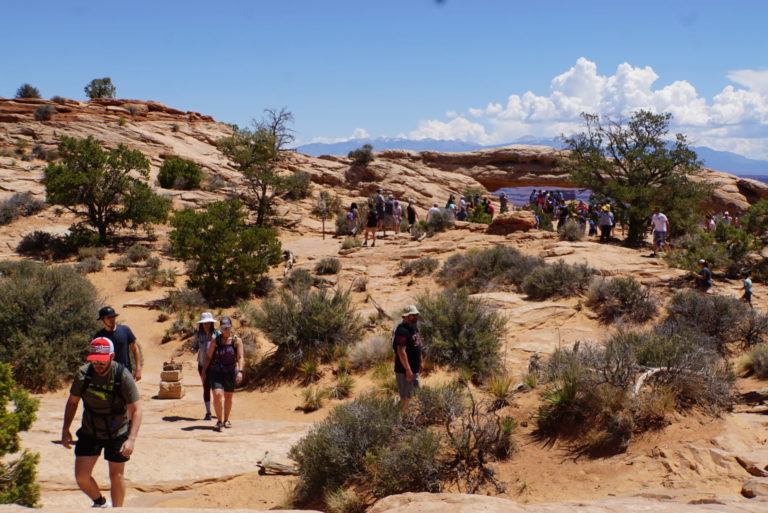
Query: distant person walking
pixel 503 203
pixel 371 225
pixel 411 213
pixel 123 339
pixel 352 217
pixel 408 358
pixel 206 334
pixel 747 287
pixel 660 225
pixel 704 278
pixel 225 360
pixel 111 420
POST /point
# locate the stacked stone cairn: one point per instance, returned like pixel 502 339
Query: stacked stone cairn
pixel 171 386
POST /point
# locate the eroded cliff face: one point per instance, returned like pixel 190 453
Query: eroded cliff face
pixel 427 177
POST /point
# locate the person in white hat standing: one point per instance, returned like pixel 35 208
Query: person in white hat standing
pixel 111 420
pixel 206 333
pixel 408 358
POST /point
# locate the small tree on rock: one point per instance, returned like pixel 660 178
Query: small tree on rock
pixel 17 477
pixel 633 165
pixel 256 154
pixel 100 88
pixel 228 256
pixel 27 91
pixel 362 156
pixel 97 185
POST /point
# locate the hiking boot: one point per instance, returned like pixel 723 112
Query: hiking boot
pixel 207 416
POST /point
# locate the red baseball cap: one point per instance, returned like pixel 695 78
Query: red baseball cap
pixel 101 349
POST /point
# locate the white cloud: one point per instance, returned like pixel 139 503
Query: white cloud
pixel 736 119
pixel 357 133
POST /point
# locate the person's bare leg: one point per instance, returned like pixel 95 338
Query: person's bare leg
pixel 83 470
pixel 218 398
pixel 117 483
pixel 227 405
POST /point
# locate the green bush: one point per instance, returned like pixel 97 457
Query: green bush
pixel 487 269
pixel 419 267
pixel 545 220
pixel 571 231
pixel 48 314
pixel 362 156
pixel 299 280
pixel 418 229
pixel 96 252
pixel 558 279
pixel 44 112
pixel 440 222
pixel 461 332
pixel 89 265
pixel 229 255
pixel 179 173
pixel 334 450
pixel 27 91
pixel 328 266
pixel 21 204
pixel 440 404
pixel 17 477
pixel 479 215
pixel 138 252
pixel 59 99
pixel 621 297
pixel 263 286
pixel 725 249
pixel 40 244
pixel 298 185
pixel 100 88
pixel 410 464
pixel 310 323
pixel 184 299
pixel 343 387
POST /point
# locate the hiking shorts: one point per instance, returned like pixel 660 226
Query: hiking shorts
pixel 90 446
pixel 404 387
pixel 659 237
pixel 222 380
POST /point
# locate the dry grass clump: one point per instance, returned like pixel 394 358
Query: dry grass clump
pixel 419 267
pixel 755 362
pixel 328 266
pixel 146 278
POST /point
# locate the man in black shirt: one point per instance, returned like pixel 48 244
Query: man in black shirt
pixel 407 346
pixel 123 339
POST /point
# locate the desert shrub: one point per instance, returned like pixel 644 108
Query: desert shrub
pixel 180 300
pixel 440 404
pixel 487 269
pixel 419 267
pixel 313 398
pixel 298 185
pixel 96 252
pixel 499 387
pixel 334 449
pixel 309 370
pixel 418 229
pixel 48 314
pixel 179 173
pixel 460 331
pixel 360 284
pixel 315 322
pixel 17 477
pixel 89 265
pixel 299 280
pixel 755 362
pixel 100 88
pixel 27 91
pixel 263 286
pixel 369 351
pixel 122 263
pixel 40 244
pixel 545 220
pixel 21 204
pixel 133 110
pixel 440 222
pixel 410 464
pixel 726 250
pixel 351 242
pixel 728 321
pixel 153 262
pixel 342 387
pixel 598 396
pixel 146 278
pixel 558 279
pixel 571 231
pixel 44 112
pixel 138 252
pixel 345 501
pixel 621 297
pixel 58 99
pixel 328 266
pixel 479 215
pixel 362 156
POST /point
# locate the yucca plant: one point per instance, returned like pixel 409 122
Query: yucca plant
pixel 309 370
pixel 500 389
pixel 343 387
pixel 313 398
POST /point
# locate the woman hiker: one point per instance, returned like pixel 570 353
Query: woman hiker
pixel 206 333
pixel 225 361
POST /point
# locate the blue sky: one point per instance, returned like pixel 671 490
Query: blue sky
pixel 487 71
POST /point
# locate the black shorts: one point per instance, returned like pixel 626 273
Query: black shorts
pixel 222 380
pixel 89 446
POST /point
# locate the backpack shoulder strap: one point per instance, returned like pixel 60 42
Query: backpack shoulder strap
pixel 87 380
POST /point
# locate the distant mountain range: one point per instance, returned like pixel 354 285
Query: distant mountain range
pixel 713 159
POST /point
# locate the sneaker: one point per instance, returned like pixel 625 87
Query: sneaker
pixel 101 502
pixel 207 416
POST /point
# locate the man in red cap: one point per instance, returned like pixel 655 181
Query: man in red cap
pixel 111 420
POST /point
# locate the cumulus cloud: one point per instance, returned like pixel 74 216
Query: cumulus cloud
pixel 736 119
pixel 357 133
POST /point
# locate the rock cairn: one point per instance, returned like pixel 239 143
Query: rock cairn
pixel 171 386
